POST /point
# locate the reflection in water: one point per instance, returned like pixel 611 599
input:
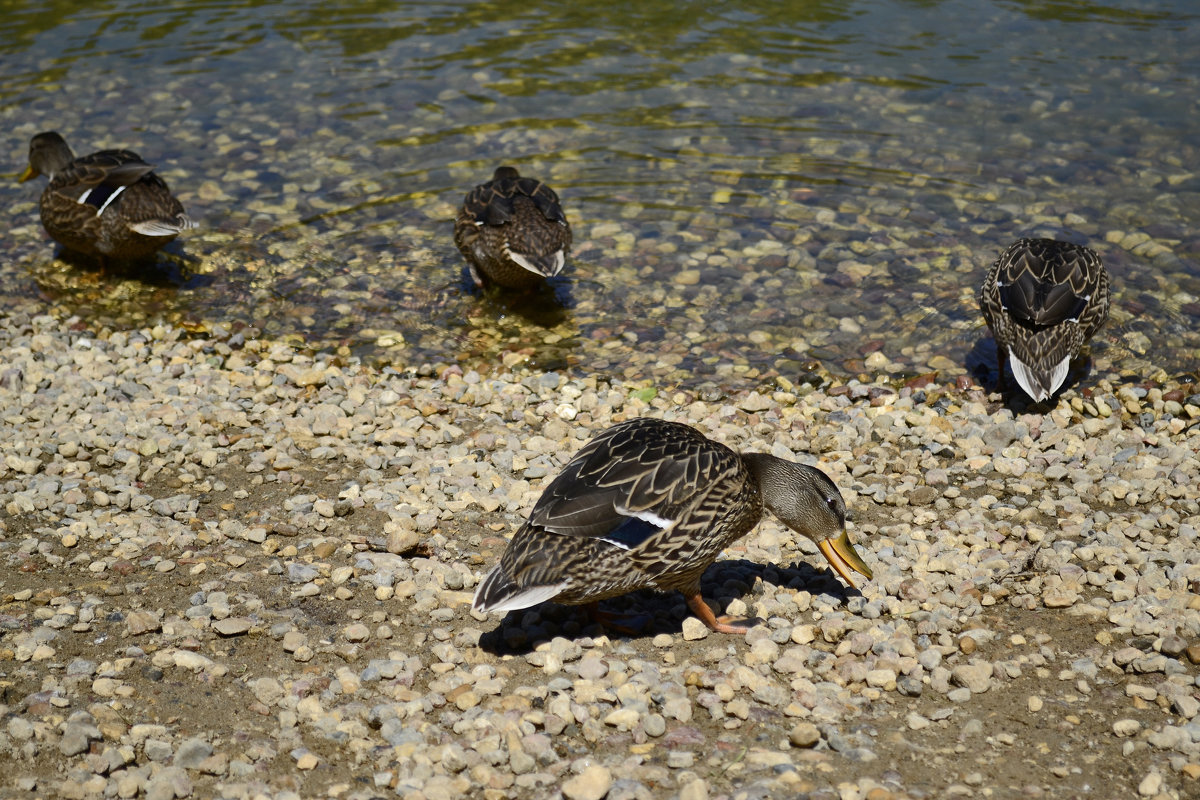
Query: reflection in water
pixel 751 186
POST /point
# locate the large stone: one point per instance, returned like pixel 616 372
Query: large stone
pixel 232 626
pixel 976 676
pixel 695 789
pixel 77 737
pixel 694 629
pixel 139 622
pixel 591 784
pixel 192 753
pixel 804 734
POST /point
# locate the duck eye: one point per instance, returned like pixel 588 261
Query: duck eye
pixel 832 503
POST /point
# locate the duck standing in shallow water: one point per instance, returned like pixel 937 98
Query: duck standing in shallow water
pixel 512 231
pixel 108 205
pixel 1043 299
pixel 649 503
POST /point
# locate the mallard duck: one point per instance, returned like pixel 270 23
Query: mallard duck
pixel 108 204
pixel 653 503
pixel 512 231
pixel 1043 299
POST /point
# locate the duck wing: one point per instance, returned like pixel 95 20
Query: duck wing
pixel 633 481
pixel 97 178
pixel 1043 283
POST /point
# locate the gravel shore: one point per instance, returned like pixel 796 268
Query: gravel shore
pixel 233 569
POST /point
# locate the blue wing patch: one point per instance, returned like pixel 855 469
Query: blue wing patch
pixel 637 527
pixel 100 196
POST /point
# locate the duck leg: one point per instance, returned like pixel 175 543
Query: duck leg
pixel 722 624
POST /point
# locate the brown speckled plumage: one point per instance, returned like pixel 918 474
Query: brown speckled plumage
pixel 1043 299
pixel 109 204
pixel 653 503
pixel 512 231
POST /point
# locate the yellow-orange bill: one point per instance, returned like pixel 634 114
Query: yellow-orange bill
pixel 842 557
pixel 27 174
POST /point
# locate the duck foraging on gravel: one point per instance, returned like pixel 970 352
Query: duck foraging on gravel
pixel 650 503
pixel 512 231
pixel 109 204
pixel 1043 299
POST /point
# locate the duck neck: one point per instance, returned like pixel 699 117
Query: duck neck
pixel 766 473
pixel 779 481
pixel 55 159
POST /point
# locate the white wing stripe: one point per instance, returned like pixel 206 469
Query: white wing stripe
pixel 111 197
pixel 646 516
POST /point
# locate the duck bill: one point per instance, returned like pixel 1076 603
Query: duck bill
pixel 842 557
pixel 28 174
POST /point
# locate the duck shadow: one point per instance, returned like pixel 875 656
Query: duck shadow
pixel 981 362
pixel 546 304
pixel 171 267
pixel 521 631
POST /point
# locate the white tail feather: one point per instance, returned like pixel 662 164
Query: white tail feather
pixel 525 263
pixel 161 227
pixel 1030 383
pixel 522 598
pixel 522 262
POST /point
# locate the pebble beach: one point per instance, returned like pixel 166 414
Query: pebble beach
pixel 248 491
pixel 236 569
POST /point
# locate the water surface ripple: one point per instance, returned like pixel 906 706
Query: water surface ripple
pixel 754 187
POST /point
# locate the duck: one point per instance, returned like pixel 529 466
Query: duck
pixel 652 503
pixel 1043 300
pixel 107 205
pixel 512 231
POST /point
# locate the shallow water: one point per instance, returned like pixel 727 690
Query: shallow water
pixel 753 187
